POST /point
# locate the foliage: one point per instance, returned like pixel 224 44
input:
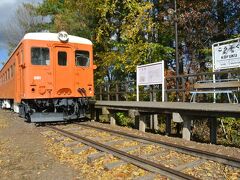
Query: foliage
pixel 232 129
pixel 75 17
pixel 130 33
pixel 123 120
pixel 123 37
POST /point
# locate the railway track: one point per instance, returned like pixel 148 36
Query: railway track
pixel 183 149
pixel 140 162
pixel 89 135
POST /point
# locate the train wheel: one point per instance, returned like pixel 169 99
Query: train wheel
pixel 28 117
pixel 22 111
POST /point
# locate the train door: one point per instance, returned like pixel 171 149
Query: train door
pixel 63 71
pixel 20 77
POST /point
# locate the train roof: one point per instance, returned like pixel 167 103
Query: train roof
pixel 45 36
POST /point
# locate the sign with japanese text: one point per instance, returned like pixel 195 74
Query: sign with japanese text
pixel 226 55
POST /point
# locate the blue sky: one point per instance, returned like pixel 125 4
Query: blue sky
pixel 3 54
pixel 7 11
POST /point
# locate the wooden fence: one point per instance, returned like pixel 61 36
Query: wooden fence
pixel 126 91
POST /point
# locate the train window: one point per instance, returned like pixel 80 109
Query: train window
pixel 82 58
pixel 13 70
pixel 10 71
pixel 62 58
pixel 40 56
pixel 8 74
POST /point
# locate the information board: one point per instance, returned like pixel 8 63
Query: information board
pixel 150 74
pixel 226 54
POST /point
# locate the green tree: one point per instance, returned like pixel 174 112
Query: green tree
pixel 75 17
pixel 202 23
pixel 124 38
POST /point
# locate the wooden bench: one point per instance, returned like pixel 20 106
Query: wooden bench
pixel 226 86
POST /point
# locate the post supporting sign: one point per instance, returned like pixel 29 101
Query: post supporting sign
pixel 226 54
pixel 150 74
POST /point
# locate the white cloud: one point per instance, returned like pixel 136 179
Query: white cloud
pixel 6 2
pixel 7 11
pixel 8 8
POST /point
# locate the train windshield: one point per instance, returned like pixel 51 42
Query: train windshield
pixel 40 56
pixel 82 58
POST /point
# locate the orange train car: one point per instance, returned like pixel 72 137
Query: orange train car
pixel 48 77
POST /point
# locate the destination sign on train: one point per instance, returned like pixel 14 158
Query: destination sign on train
pixel 227 56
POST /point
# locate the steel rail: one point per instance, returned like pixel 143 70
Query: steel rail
pixel 235 162
pixel 140 162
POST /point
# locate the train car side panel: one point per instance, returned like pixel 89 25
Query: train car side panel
pixel 39 81
pixel 7 80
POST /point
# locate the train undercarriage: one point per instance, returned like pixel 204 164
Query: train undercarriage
pixel 51 110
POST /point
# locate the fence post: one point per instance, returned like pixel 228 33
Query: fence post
pixel 108 92
pixel 213 130
pixel 165 88
pixel 126 91
pixel 183 89
pixel 142 123
pixel 153 117
pixel 117 92
pixel 100 94
pixel 168 124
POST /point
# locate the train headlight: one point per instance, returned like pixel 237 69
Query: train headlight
pixel 63 36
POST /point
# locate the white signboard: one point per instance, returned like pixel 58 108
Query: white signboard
pixel 226 54
pixel 150 74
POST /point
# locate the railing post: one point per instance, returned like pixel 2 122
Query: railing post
pixel 92 112
pixel 97 115
pixel 151 99
pixel 168 124
pixel 142 123
pixel 183 89
pixel 213 130
pixel 166 95
pixel 126 91
pixel 153 117
pixel 100 93
pixel 117 91
pixel 108 92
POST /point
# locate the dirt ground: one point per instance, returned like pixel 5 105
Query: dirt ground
pixel 23 154
pixel 26 154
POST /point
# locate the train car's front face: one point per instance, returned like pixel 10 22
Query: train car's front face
pixel 56 77
pixel 73 70
pixel 61 69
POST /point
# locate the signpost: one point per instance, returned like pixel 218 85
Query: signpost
pixel 150 74
pixel 225 55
